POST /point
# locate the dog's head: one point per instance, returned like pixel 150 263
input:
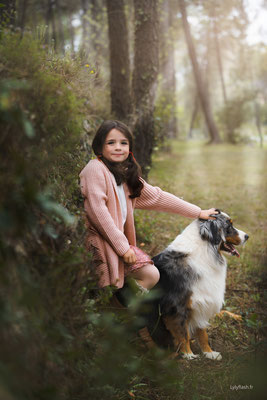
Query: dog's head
pixel 222 234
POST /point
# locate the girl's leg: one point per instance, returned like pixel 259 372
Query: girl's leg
pixel 147 276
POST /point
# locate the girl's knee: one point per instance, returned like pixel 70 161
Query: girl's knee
pixel 153 276
pixel 148 276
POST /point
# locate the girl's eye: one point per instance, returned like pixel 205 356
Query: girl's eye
pixel 112 142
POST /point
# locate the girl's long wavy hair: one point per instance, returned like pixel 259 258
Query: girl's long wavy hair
pixel 128 171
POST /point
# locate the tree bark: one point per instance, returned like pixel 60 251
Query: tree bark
pixel 167 67
pixel 60 29
pixel 218 52
pixel 193 117
pixel 50 18
pixel 97 49
pixel 71 32
pixel 85 27
pixel 206 62
pixel 119 60
pixel 173 124
pixel 145 78
pixel 22 18
pixel 53 23
pixel 203 98
pixel 258 122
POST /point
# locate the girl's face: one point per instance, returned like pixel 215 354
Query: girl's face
pixel 116 147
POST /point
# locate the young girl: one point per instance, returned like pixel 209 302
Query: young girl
pixel 112 188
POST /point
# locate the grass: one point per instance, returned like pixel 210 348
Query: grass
pixel 233 179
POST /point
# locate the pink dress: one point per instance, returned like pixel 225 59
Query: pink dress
pixel 142 259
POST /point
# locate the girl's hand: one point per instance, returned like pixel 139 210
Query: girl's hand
pixel 129 257
pixel 206 214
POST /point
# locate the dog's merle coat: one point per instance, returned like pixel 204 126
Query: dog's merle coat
pixel 192 280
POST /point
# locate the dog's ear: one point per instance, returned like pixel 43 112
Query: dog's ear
pixel 216 232
pixel 204 229
pixel 210 230
pixel 216 215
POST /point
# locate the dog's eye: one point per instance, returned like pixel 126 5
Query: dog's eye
pixel 229 226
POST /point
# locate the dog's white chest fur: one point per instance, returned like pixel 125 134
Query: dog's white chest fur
pixel 208 294
pixel 208 290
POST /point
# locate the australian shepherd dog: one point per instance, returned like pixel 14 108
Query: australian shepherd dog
pixel 192 284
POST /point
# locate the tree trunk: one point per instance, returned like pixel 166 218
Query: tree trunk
pixel 258 122
pixel 60 29
pixel 144 78
pixel 50 18
pixel 22 18
pixel 85 27
pixel 206 62
pixel 119 60
pixel 167 68
pixel 173 124
pixel 47 21
pixel 71 32
pixel 53 22
pixel 203 98
pixel 218 52
pixel 193 117
pixel 97 17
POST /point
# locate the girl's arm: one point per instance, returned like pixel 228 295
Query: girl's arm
pixel 93 187
pixel 153 198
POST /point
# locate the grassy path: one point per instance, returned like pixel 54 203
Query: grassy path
pixel 232 178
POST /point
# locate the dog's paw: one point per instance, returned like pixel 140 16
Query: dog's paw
pixel 189 356
pixel 213 355
pixel 236 317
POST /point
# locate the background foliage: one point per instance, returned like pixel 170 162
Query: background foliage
pixel 59 336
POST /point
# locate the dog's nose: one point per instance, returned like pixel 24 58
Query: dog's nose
pixel 246 237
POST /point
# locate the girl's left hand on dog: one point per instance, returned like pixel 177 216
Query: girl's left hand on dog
pixel 207 214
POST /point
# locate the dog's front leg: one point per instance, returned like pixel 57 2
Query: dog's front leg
pixel 203 341
pixel 181 338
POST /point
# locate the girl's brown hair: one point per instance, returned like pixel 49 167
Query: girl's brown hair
pixel 128 171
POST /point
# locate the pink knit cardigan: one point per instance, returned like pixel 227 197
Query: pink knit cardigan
pixel 107 237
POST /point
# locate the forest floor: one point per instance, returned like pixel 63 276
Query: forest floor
pixel 233 179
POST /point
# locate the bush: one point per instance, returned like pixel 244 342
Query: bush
pixel 232 116
pixel 41 257
pixel 55 342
